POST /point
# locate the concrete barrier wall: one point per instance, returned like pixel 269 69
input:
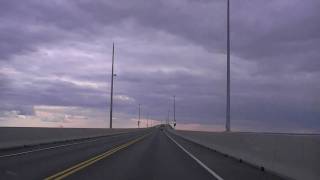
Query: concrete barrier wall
pixel 19 136
pixel 291 155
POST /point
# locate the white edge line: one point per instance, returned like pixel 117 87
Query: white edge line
pixel 196 159
pixel 53 147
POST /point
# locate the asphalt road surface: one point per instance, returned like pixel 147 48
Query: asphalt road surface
pixel 152 154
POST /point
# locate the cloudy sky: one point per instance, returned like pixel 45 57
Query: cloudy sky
pixel 55 63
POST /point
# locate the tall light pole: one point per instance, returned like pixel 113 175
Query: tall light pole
pixel 228 68
pixel 174 108
pixel 111 94
pixel 139 115
pixel 168 117
pixel 174 111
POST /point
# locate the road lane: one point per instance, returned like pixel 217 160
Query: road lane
pixel 78 167
pixel 214 174
pixel 52 145
pixel 41 164
pixel 227 167
pixel 128 156
pixel 156 157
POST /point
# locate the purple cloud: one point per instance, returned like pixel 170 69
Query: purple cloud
pixel 58 53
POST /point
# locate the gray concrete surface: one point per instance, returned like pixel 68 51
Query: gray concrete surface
pixel 292 155
pixel 156 157
pixel 11 137
pixel 41 164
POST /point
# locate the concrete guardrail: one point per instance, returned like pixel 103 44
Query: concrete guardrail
pixel 295 156
pixel 11 137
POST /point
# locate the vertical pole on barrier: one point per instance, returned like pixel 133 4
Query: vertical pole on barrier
pixel 111 93
pixel 139 115
pixel 228 68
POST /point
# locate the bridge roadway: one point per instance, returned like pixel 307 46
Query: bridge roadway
pixel 152 154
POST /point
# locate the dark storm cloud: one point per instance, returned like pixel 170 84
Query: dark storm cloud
pixel 54 93
pixel 259 28
pixel 194 96
pixel 14 34
pixel 165 48
pixel 87 17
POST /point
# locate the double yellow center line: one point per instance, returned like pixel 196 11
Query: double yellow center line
pixel 78 167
